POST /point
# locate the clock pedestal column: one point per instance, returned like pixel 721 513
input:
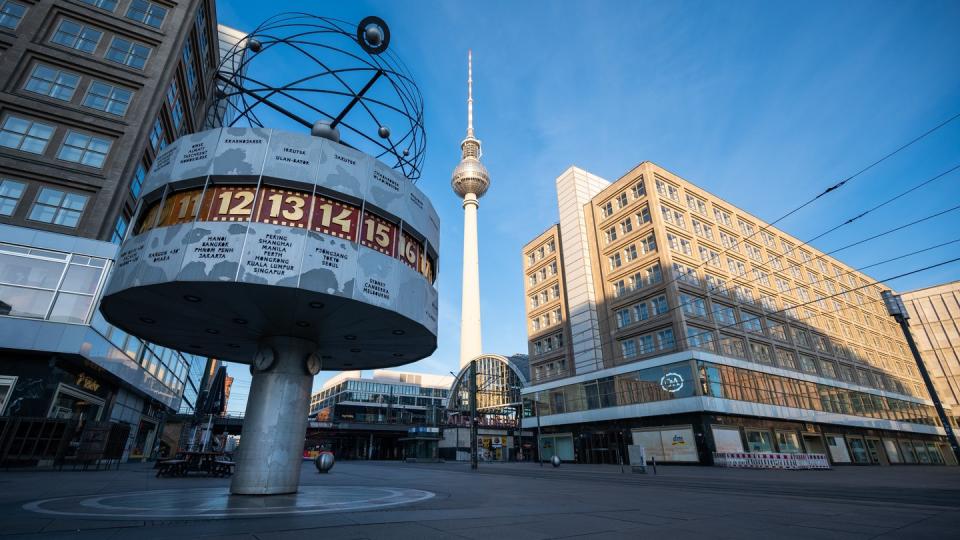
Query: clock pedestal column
pixel 271 445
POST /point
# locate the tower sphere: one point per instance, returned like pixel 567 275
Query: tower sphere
pixel 470 176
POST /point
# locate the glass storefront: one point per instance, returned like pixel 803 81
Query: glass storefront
pixel 72 404
pixel 675 381
pixel 49 285
pixel 757 387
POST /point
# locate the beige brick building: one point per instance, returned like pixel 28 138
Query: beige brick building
pixel 935 323
pixel 654 303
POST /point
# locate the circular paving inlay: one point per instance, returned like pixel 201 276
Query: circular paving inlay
pixel 206 503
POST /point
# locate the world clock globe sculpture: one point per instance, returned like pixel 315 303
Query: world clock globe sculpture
pixel 291 250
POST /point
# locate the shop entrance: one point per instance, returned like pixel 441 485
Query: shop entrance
pixel 603 448
pixel 875 452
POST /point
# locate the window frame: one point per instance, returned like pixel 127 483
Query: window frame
pixel 4 15
pixel 58 207
pixel 79 36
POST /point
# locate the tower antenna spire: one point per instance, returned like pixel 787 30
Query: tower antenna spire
pixel 469 93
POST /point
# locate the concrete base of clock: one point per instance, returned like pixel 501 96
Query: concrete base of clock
pixel 271 445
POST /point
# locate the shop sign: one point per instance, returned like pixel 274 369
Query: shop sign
pixel 671 382
pixel 87 382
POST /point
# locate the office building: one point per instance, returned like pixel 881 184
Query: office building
pixel 93 90
pixel 360 417
pixel 935 324
pixel 663 316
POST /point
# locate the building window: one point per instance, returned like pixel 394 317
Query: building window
pixel 119 229
pixel 721 216
pixel 108 5
pixel 680 245
pixel 736 267
pixel 607 209
pixel 698 338
pixel 26 135
pixel 202 29
pixel 672 216
pixel 77 36
pixel 724 315
pixel 787 359
pixel 54 83
pixel 615 261
pixel 10 193
pixel 11 13
pixel 84 149
pixel 623 317
pixel 693 306
pixel 667 190
pixel 641 311
pixel 611 235
pixel 732 346
pixel 176 113
pixel 660 305
pixel 107 98
pixel 702 230
pixel 628 348
pixel 136 184
pixel 665 339
pixel 752 323
pixel 631 252
pixel 696 204
pixel 760 353
pixel 717 285
pixel 622 200
pixel 643 216
pixel 191 72
pixel 128 53
pixel 638 189
pixel 58 207
pixel 147 13
pixel 745 227
pixel 158 139
pixel 626 225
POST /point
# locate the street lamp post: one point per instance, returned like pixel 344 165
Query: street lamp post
pixel 899 312
pixel 473 415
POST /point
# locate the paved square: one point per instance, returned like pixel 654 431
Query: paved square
pixel 499 501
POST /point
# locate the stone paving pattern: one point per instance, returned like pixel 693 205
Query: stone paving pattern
pixel 522 500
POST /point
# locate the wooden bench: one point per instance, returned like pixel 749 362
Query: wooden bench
pixel 172 467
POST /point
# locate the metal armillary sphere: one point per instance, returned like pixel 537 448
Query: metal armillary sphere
pixel 331 77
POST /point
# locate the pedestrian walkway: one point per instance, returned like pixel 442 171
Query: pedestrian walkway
pixel 500 500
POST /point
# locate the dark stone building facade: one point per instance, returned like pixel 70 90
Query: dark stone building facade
pixel 91 91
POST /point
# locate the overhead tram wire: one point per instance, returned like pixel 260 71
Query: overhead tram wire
pixel 764 265
pixel 871 284
pixel 711 289
pixel 850 272
pixel 833 188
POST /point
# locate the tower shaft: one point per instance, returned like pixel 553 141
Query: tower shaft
pixel 470 340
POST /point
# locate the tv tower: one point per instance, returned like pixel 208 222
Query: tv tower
pixel 470 181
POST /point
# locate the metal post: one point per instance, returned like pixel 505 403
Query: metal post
pixel 473 415
pixel 539 457
pixel 899 312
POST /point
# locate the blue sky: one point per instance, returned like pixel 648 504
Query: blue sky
pixel 737 97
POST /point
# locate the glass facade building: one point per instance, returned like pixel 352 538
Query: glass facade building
pixel 359 417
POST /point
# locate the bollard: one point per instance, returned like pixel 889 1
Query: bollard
pixel 555 461
pixel 654 459
pixel 324 462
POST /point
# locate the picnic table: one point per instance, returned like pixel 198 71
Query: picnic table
pixel 211 463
